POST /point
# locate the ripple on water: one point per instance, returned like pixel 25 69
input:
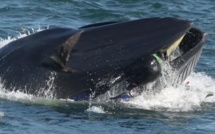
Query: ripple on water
pixel 157 5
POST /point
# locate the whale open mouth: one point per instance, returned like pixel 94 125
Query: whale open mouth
pixel 181 57
pixel 180 52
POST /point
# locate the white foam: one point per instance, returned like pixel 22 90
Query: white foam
pixel 25 33
pixel 1 114
pixel 28 98
pixel 96 109
pixel 181 98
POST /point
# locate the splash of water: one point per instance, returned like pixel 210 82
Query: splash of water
pixel 180 98
pixel 25 33
pixel 49 90
pixel 96 109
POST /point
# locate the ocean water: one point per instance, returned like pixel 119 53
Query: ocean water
pixel 172 111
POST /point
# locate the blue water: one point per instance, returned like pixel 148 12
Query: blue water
pixel 173 111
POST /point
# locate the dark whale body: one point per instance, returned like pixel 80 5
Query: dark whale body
pixel 92 59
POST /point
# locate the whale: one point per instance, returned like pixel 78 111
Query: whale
pixel 104 58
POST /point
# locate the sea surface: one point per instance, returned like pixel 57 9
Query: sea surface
pixel 172 111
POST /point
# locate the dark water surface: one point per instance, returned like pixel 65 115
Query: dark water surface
pixel 173 111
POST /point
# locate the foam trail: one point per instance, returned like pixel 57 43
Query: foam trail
pixel 28 98
pixel 96 109
pixel 180 98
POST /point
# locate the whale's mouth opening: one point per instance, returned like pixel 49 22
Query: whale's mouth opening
pixel 191 39
pixel 183 45
pixel 168 67
pixel 177 62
